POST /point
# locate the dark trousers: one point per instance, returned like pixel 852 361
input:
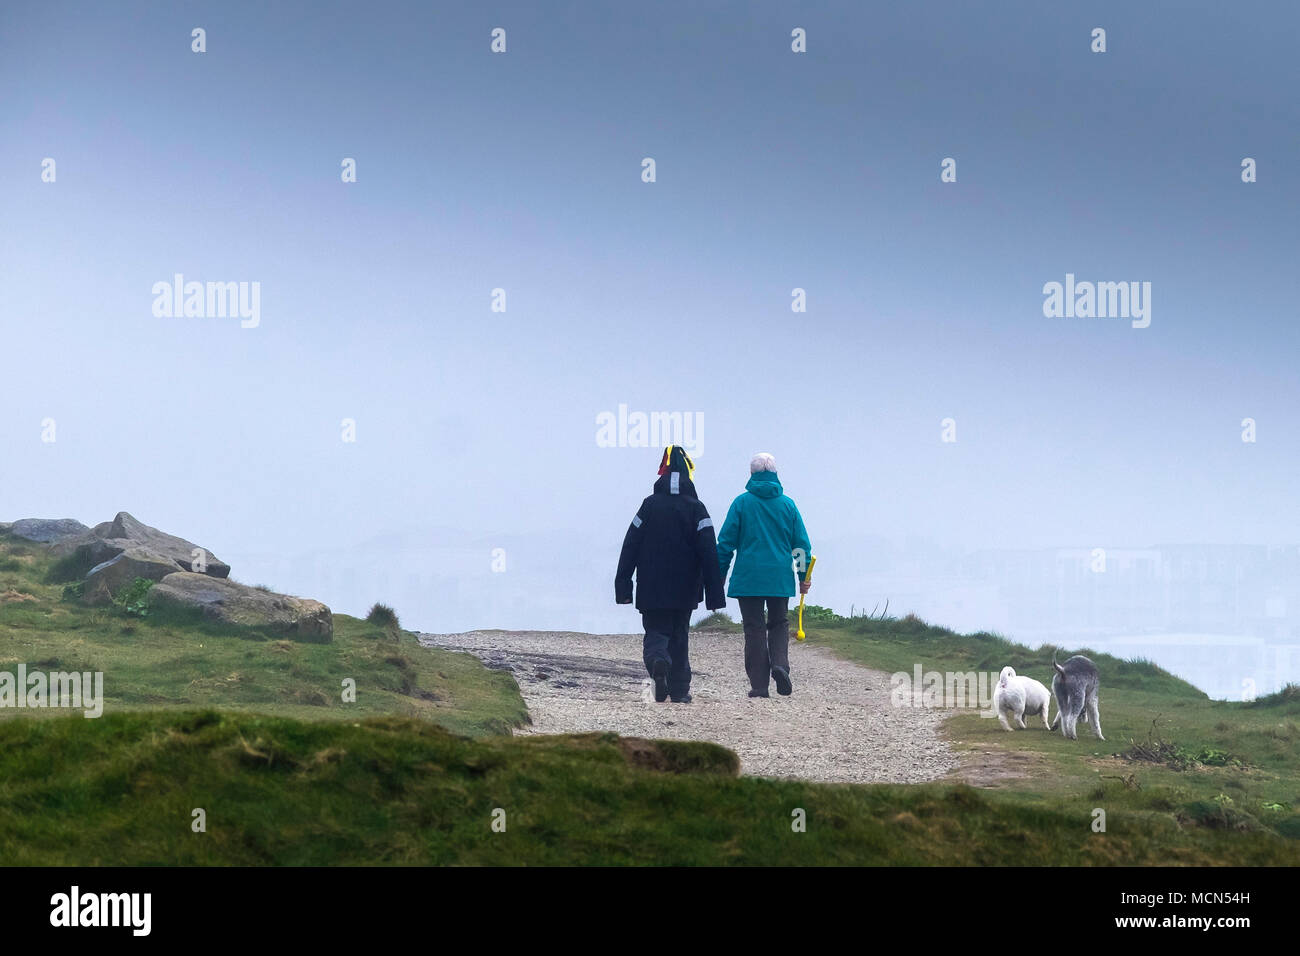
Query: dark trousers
pixel 666 640
pixel 767 642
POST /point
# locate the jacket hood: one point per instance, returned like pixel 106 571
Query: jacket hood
pixel 675 483
pixel 765 484
pixel 675 470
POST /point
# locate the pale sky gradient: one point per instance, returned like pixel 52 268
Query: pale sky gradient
pixel 522 171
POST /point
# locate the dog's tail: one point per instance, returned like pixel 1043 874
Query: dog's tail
pixel 1059 669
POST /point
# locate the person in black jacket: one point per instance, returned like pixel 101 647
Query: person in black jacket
pixel 672 548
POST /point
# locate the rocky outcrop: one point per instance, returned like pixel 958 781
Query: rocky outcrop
pixel 126 533
pixel 114 554
pixel 228 602
pixel 46 530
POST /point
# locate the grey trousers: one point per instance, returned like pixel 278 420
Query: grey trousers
pixel 767 641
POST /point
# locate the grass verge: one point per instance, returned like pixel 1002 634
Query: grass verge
pixel 1172 756
pixel 277 791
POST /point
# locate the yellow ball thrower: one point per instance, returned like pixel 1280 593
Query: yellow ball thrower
pixel 812 559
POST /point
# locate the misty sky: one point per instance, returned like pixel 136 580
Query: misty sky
pixel 522 171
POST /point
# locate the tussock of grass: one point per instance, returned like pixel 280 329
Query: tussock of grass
pixel 381 615
pixel 1218 814
pixel 717 621
pixel 1287 699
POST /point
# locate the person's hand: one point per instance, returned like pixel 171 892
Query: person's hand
pixel 624 600
pixel 804 586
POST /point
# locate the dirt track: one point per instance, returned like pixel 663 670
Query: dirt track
pixel 838 726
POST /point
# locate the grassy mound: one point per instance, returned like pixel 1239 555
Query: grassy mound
pixel 122 790
pixel 167 659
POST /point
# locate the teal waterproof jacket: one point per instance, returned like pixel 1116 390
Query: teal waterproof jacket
pixel 765 532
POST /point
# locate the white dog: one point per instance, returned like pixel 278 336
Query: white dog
pixel 1019 697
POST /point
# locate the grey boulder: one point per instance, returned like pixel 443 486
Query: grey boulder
pixel 107 580
pixel 229 602
pixel 47 530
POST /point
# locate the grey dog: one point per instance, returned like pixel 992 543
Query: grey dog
pixel 1075 685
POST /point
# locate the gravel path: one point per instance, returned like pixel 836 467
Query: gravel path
pixel 837 727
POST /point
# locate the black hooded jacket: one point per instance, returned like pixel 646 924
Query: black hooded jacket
pixel 671 546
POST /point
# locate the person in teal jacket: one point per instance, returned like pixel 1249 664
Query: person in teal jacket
pixel 765 532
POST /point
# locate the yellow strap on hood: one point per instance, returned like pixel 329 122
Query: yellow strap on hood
pixel 668 461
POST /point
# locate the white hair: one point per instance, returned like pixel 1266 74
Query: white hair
pixel 762 462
